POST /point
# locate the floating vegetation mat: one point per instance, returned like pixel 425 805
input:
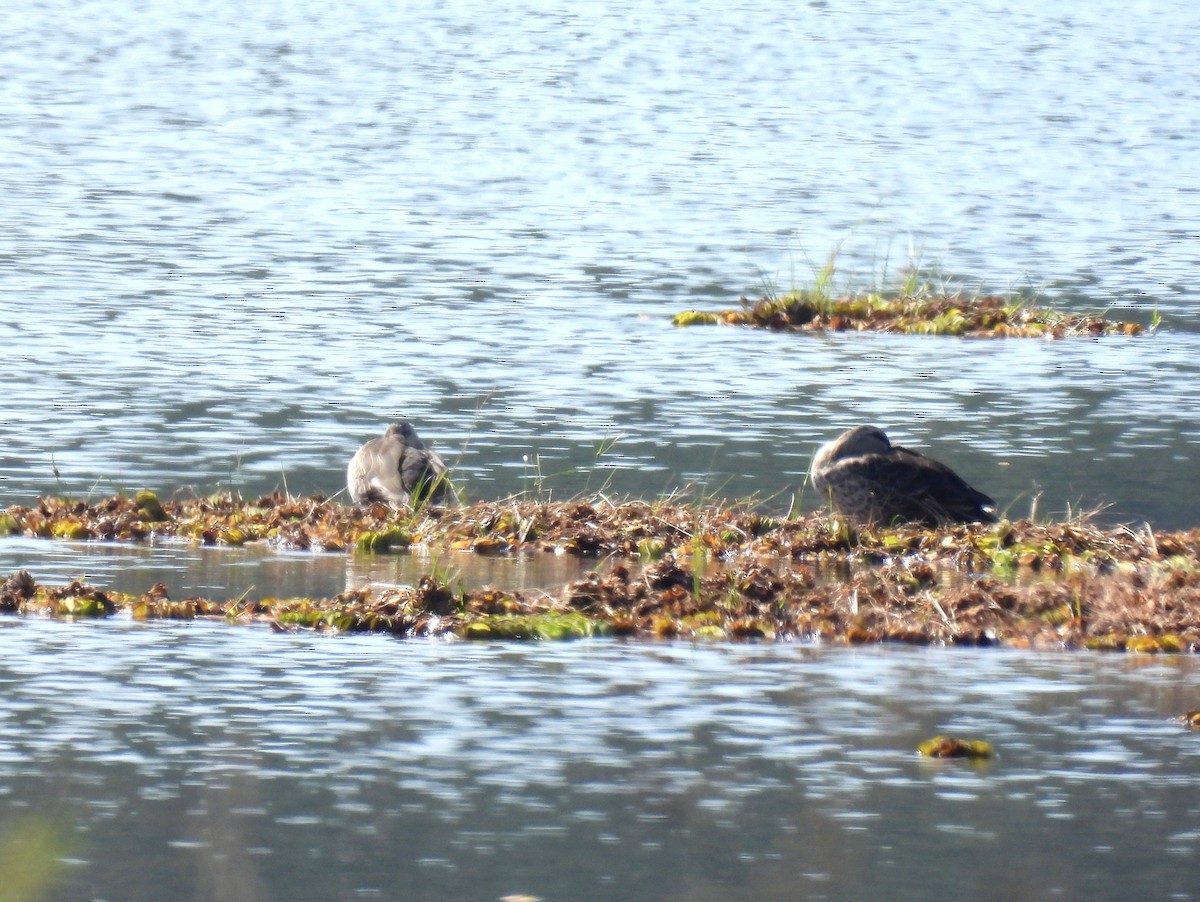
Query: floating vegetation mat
pixel 984 317
pixel 600 527
pixel 1126 611
pixel 669 570
pixel 950 747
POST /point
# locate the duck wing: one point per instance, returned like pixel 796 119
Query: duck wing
pixel 423 474
pixel 374 473
pixel 907 486
pixel 942 494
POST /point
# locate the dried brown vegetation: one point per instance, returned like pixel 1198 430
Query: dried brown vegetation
pixel 923 314
pixel 599 528
pixel 674 570
pixel 1144 610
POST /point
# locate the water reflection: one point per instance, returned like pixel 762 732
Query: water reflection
pixel 256 572
pixel 307 767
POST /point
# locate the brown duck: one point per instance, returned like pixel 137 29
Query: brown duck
pixel 398 469
pixel 871 481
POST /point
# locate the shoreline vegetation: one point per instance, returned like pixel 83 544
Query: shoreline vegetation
pixel 665 569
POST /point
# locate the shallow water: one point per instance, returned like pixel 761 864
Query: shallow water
pixel 239 239
pixel 202 761
pixel 237 243
pixel 257 572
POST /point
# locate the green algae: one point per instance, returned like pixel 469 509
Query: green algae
pixel 72 530
pixel 950 747
pixel 383 540
pixel 651 549
pixel 149 507
pixel 315 617
pixel 549 626
pixel 695 318
pixel 78 606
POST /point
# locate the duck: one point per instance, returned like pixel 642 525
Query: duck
pixel 870 481
pixel 398 469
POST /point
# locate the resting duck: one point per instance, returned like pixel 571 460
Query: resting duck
pixel 871 481
pixel 398 469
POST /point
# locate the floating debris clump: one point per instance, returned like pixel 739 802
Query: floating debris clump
pixel 984 317
pixel 949 747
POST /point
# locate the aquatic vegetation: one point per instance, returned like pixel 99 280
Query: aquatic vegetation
pixel 651 549
pixel 16 590
pixel 550 625
pixel 381 540
pixel 702 570
pixel 149 506
pixel 1142 607
pixel 991 316
pixel 68 528
pixel 602 527
pixel 696 318
pixel 949 747
pixel 20 594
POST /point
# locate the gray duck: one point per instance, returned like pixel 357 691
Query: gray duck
pixel 398 469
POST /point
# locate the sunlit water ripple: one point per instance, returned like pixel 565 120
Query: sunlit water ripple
pixel 638 770
pixel 239 239
pixel 238 244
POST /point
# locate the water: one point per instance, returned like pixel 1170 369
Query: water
pixel 200 761
pixel 237 240
pixel 257 572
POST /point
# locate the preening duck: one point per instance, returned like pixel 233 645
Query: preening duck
pixel 398 469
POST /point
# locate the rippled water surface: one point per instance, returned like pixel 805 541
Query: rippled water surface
pixel 202 761
pixel 239 238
